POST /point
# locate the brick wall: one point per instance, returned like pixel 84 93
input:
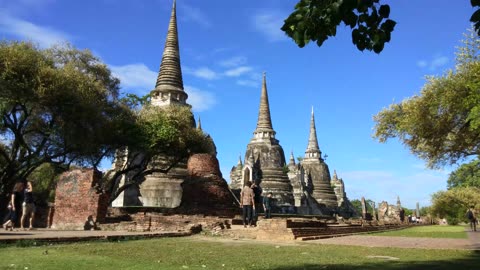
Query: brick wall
pixel 205 188
pixel 76 199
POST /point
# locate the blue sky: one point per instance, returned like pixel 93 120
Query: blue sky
pixel 226 45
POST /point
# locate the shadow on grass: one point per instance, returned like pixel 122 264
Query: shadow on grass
pixel 469 262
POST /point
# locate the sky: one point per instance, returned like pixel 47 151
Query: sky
pixel 226 45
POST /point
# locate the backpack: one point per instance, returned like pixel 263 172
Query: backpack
pixel 469 214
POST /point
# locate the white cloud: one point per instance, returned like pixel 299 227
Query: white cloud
pixel 269 23
pixel 25 30
pixel 141 77
pixel 199 99
pixel 236 72
pixel 249 83
pixel 435 63
pixel 193 14
pixel 422 63
pixel 135 76
pixel 233 61
pixel 202 72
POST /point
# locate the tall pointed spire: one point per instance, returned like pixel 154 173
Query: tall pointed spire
pixel 292 159
pixel 264 123
pixel 199 124
pixel 240 160
pixel 169 87
pixel 170 74
pixel 313 151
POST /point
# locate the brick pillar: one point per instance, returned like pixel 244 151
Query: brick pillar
pixel 76 198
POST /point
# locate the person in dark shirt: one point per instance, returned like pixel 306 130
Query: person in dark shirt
pixel 28 206
pixel 16 202
pixel 267 204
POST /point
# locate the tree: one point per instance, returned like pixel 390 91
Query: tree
pixel 163 137
pixel 442 124
pixel 467 175
pixel 57 106
pixel 317 20
pixel 357 204
pixel 453 203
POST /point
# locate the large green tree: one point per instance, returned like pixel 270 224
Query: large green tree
pixel 467 175
pixel 442 124
pixel 58 106
pixel 453 203
pixel 317 20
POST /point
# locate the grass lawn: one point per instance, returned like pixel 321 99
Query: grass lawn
pixel 200 252
pixel 434 231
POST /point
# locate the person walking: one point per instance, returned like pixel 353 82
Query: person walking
pixel 28 206
pixel 9 220
pixel 471 215
pixel 267 205
pixel 16 200
pixel 247 202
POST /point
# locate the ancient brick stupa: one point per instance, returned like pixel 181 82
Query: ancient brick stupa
pixel 174 189
pixel 316 171
pixel 265 159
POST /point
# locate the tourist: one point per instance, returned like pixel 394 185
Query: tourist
pixel 472 218
pixel 248 204
pixel 257 192
pixel 16 200
pixel 28 206
pixel 267 204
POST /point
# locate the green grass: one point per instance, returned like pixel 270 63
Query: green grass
pixel 206 253
pixel 435 231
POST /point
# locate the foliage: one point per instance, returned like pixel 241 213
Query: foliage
pixel 435 231
pixel 317 20
pixel 408 212
pixel 467 175
pixel 453 203
pixel 164 136
pixel 44 179
pixel 442 124
pixel 204 253
pixel 57 106
pixel 357 204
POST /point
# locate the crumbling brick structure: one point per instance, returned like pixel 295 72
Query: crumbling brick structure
pixel 77 198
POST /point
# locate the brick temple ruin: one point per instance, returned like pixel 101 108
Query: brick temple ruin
pixel 304 188
pixel 194 193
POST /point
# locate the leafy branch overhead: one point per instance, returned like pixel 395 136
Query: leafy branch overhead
pixel 317 20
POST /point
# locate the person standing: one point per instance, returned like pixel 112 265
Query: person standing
pixel 471 215
pixel 248 204
pixel 28 206
pixel 267 205
pixel 257 192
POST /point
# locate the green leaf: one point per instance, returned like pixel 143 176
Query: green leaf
pixel 388 25
pixel 475 3
pixel 475 16
pixel 378 47
pixel 384 11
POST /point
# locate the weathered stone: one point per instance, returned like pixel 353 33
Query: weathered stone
pixel 265 159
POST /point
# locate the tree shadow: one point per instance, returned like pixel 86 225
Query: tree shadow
pixel 469 262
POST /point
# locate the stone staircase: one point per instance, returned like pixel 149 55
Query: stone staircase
pixel 301 229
